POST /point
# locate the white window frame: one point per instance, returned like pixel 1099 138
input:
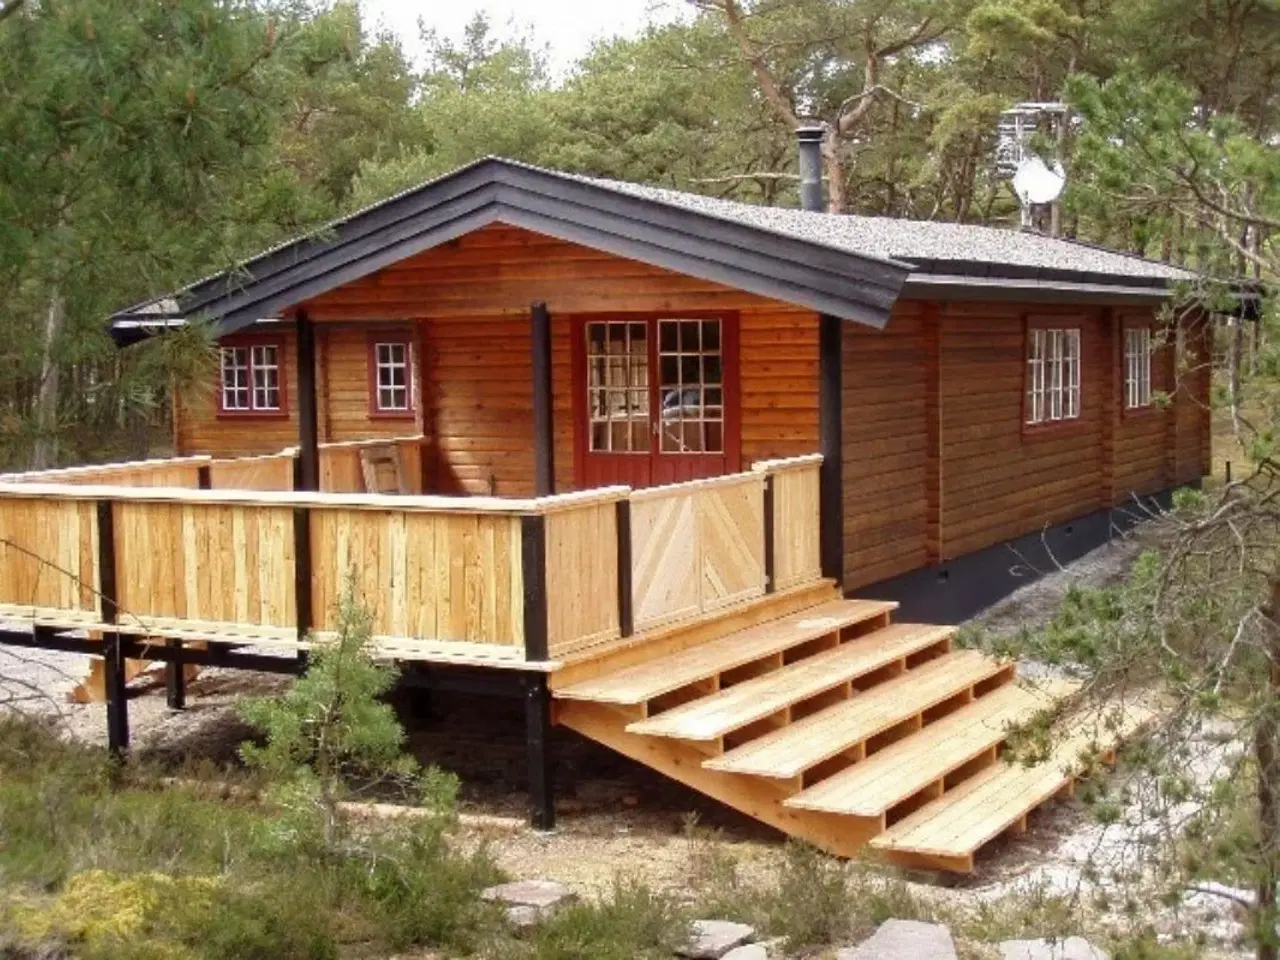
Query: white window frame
pixel 1052 388
pixel 405 364
pixel 1137 368
pixel 249 376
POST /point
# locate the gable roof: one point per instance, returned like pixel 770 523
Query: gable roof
pixel 850 266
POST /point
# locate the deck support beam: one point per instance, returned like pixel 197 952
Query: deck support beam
pixel 544 468
pixel 537 720
pixel 830 443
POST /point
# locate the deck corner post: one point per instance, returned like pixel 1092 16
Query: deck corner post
pixel 830 443
pixel 304 615
pixel 533 559
pixel 308 475
pixel 626 608
pixel 113 673
pixel 770 573
pixel 544 469
pixel 537 715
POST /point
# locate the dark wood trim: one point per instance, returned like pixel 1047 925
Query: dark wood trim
pixel 537 720
pixel 544 437
pixel 934 534
pixel 533 556
pixel 626 611
pixel 106 584
pixel 770 563
pixel 308 422
pixel 248 341
pixel 830 444
pixel 133 648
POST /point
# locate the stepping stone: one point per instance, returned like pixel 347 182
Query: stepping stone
pixel 752 951
pixel 904 940
pixel 529 901
pixel 713 939
pixel 1072 948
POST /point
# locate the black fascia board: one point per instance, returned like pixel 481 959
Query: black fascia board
pixel 1048 275
pixel 746 257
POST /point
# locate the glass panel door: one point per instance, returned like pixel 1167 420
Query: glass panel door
pixel 618 387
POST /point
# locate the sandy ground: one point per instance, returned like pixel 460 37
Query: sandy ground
pixel 613 815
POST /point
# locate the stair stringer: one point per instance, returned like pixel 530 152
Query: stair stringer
pixel 758 797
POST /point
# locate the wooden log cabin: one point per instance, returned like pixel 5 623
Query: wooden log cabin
pixel 680 468
pixel 989 402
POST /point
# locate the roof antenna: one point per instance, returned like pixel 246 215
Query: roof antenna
pixel 1037 184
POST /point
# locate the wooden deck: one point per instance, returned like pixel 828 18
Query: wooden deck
pixel 687 627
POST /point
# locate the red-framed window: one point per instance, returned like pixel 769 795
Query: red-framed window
pixel 1052 390
pixel 251 378
pixel 391 375
pixel 1137 366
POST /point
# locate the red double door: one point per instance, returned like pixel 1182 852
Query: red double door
pixel 655 399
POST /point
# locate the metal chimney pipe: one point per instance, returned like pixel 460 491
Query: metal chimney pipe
pixel 810 140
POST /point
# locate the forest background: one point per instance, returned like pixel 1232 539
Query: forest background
pixel 146 143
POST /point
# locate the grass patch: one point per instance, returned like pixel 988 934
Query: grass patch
pixel 112 862
pixel 632 922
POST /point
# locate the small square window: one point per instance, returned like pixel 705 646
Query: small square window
pixel 393 376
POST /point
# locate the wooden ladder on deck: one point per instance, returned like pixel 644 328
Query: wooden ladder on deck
pixel 835 725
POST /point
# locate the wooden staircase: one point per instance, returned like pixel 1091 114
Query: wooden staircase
pixel 835 725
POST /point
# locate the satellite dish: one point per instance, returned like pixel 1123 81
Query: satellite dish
pixel 1034 182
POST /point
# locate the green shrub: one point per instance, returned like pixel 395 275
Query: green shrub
pixel 632 923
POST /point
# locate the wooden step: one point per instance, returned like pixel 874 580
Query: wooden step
pixel 790 751
pixel 713 716
pixel 645 681
pixel 905 768
pixel 948 831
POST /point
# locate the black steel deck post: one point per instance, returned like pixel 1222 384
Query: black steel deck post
pixel 112 657
pixel 544 468
pixel 537 720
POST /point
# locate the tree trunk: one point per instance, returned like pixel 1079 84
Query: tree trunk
pixel 1235 362
pixel 837 196
pixel 1267 754
pixel 45 452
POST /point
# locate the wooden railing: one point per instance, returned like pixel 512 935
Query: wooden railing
pixel 341 470
pixel 520 580
pixel 791 498
pixel 174 472
pixel 272 471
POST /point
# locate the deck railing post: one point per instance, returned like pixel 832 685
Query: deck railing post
pixel 533 559
pixel 112 657
pixel 770 577
pixel 304 615
pixel 626 609
pixel 175 672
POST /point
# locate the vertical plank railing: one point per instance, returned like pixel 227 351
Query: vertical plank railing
pixel 582 558
pixel 794 501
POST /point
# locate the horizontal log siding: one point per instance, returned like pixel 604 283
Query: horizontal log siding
pixel 473 296
pixel 197 427
pixel 999 481
pixel 885 448
pixel 1192 402
pixel 343 385
pixel 1141 436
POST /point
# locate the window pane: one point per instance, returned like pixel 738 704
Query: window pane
pixel 690 341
